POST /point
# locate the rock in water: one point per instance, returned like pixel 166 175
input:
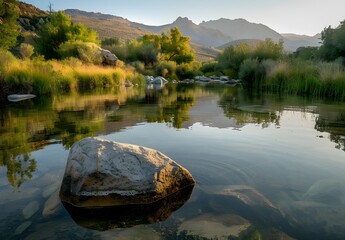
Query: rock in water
pixel 52 204
pixel 30 209
pixel 102 173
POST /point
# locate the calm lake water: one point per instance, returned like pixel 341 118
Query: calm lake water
pixel 266 167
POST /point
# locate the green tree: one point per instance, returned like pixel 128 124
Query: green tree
pixel 175 47
pixel 9 30
pixel 333 43
pixel 268 50
pixel 58 30
pixel 306 53
pixel 233 56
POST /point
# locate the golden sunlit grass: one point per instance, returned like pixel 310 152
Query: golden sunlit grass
pixel 48 77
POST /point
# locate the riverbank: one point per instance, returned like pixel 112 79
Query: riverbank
pixel 46 78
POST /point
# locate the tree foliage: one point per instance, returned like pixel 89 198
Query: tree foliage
pixel 175 47
pixel 151 49
pixel 333 43
pixel 59 30
pixel 9 30
pixel 233 56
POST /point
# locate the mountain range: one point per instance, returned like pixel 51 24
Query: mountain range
pixel 206 38
pixel 213 34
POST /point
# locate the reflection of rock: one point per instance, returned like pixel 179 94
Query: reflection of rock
pixel 49 190
pixel 128 215
pixel 210 226
pixel 102 173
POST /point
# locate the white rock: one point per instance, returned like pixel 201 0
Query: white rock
pixel 30 209
pixel 119 174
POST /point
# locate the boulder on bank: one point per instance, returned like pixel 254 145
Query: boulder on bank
pixel 102 173
pixel 108 57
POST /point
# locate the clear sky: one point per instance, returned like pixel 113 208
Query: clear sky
pixel 284 16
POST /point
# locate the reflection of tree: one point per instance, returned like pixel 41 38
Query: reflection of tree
pixel 20 169
pixel 73 126
pixel 174 103
pixel 246 111
pixel 15 147
pixel 334 124
pixel 25 128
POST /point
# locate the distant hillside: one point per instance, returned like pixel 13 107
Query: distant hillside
pixel 112 26
pixel 293 41
pixel 242 29
pixel 251 42
pixel 29 11
pixel 204 37
pixel 107 25
pixel 198 34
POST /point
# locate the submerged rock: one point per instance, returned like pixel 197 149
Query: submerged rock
pixel 137 233
pixel 326 191
pixel 209 226
pixel 30 209
pixel 49 190
pixel 247 202
pixel 52 204
pixel 22 227
pixel 102 173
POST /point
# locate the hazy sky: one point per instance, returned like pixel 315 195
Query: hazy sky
pixel 284 16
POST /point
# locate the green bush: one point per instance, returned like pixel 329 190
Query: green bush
pixel 188 70
pixel 26 50
pixel 17 81
pixel 86 52
pixel 248 72
pixel 42 84
pixel 166 69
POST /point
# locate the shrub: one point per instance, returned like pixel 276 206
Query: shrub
pixel 86 52
pixel 26 50
pixel 251 74
pixel 166 69
pixel 188 70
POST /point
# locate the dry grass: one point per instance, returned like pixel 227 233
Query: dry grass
pixel 49 77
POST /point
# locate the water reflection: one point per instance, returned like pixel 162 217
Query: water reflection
pixel 332 120
pixel 280 171
pixel 130 215
pixel 31 125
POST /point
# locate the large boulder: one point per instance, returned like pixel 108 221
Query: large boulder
pixel 102 173
pixel 108 57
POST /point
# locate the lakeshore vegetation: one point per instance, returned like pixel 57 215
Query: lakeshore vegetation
pixel 63 56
